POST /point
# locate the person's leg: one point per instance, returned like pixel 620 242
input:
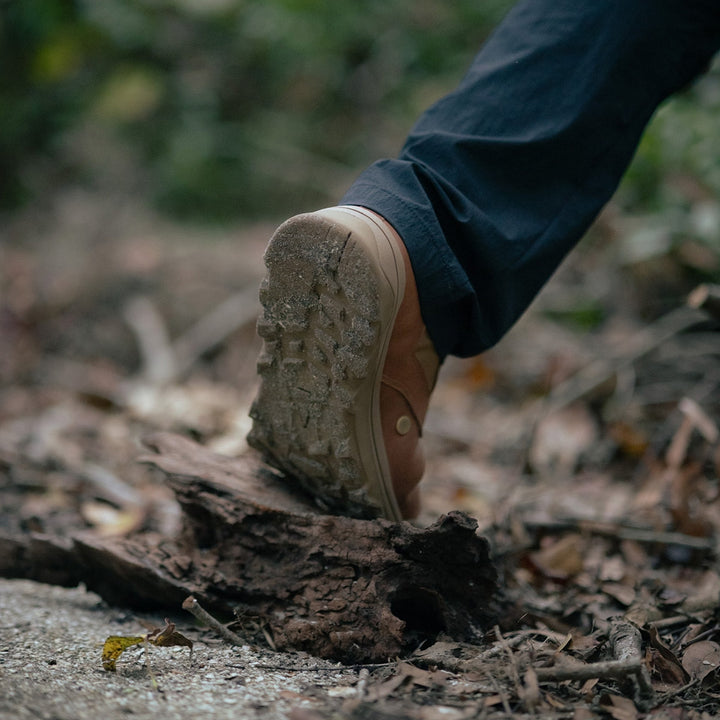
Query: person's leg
pixel 500 179
pixel 494 185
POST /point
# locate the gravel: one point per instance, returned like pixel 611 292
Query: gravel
pixel 51 643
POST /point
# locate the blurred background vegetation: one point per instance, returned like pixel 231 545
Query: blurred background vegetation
pixel 218 109
pixel 224 110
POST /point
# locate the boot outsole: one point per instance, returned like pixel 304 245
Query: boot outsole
pixel 334 284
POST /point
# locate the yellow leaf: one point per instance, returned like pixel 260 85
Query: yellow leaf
pixel 114 647
pixel 166 636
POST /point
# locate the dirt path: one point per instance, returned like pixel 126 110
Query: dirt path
pixel 50 667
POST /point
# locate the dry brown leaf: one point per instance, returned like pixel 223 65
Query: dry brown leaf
pixel 566 642
pixel 663 662
pixel 434 712
pixel 492 700
pixel 687 517
pixel 168 637
pixel 587 688
pixel 423 678
pixel 384 689
pixel 634 554
pixel 479 375
pixel 530 691
pixel 613 569
pixel 621 708
pixel 701 658
pixel 583 713
pixel 562 559
pixel 562 438
pixel 624 594
pixel 630 440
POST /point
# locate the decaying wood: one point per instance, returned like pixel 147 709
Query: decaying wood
pixel 338 587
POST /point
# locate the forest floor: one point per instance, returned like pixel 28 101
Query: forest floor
pixel 586 444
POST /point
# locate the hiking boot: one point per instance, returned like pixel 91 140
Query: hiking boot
pixel 347 366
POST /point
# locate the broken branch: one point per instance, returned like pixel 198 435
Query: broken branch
pixel 193 606
pixel 610 669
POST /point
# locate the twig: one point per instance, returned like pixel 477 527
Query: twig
pixel 268 638
pixel 706 600
pixel 619 532
pixel 701 421
pixel 361 688
pixel 151 674
pixel 631 668
pixel 164 361
pixel 512 661
pixel 626 642
pixel 305 668
pixel 502 695
pixel 669 621
pixel 193 606
pixel 710 632
pixel 626 645
pixel 614 669
pixel 111 487
pixel 231 314
pixel 158 357
pixel 706 297
pixel 589 377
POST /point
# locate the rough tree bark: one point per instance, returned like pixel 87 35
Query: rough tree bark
pixel 355 590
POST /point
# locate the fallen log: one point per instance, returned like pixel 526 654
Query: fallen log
pixel 337 587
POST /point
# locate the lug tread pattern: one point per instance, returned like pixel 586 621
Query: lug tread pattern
pixel 320 329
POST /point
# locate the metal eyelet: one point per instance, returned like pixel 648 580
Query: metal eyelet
pixel 403 425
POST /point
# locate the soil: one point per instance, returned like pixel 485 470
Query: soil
pixel 51 650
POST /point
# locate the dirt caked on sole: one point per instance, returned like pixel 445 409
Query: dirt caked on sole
pixel 333 287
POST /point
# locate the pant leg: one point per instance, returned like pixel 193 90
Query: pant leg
pixel 501 178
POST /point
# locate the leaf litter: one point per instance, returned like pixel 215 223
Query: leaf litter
pixel 165 636
pixel 604 514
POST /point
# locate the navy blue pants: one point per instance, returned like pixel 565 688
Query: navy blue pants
pixel 501 178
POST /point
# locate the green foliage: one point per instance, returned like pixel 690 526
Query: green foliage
pixel 230 106
pixel 43 48
pixel 584 314
pixel 672 187
pixel 224 108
